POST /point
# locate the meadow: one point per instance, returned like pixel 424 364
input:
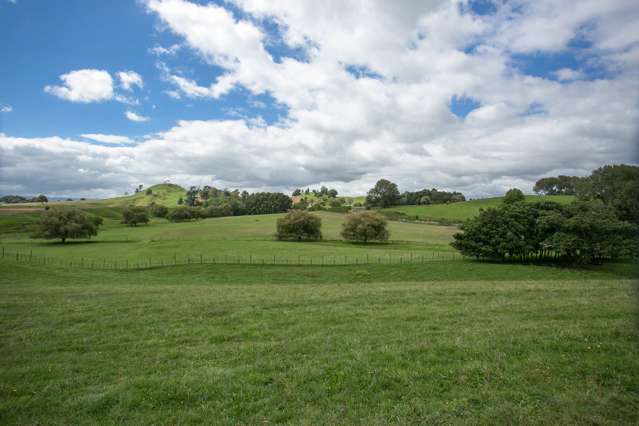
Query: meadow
pixel 445 342
pixel 458 212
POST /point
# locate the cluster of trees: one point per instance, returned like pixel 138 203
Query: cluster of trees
pixel 386 194
pixel 559 185
pixel 212 202
pixel 15 199
pixel 61 223
pixel 602 224
pixel 583 231
pixel 363 227
pixel 322 192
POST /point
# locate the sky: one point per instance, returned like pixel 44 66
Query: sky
pixel 476 96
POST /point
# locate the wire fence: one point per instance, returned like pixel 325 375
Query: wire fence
pixel 124 264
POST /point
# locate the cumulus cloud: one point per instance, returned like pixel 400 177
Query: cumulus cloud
pixel 107 139
pixel 135 117
pixel 390 120
pixel 88 85
pixel 6 108
pixel 130 79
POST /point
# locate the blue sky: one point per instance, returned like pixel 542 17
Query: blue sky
pixel 344 93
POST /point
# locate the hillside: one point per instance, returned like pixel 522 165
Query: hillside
pixel 458 212
pixel 166 194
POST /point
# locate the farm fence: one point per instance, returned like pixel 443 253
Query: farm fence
pixel 124 264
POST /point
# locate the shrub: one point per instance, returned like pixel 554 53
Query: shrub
pixel 514 195
pixel 180 214
pixel 149 191
pixel 218 210
pixel 299 225
pixel 365 227
pixel 159 210
pixel 133 216
pixel 67 223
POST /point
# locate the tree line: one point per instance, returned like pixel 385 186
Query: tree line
pixel 15 199
pixel 601 224
pixel 386 194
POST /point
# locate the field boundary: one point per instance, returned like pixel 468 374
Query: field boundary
pixel 114 264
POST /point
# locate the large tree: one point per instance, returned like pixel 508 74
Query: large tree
pixel 383 194
pixel 299 225
pixel 134 215
pixel 365 227
pixel 67 223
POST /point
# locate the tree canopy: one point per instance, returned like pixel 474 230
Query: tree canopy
pixel 383 194
pixel 299 225
pixel 63 224
pixel 135 215
pixel 365 227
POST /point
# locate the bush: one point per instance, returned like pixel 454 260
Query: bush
pixel 365 227
pixel 159 211
pixel 149 191
pixel 299 225
pixel 514 195
pixel 181 214
pixel 133 216
pixel 67 223
pixel 218 210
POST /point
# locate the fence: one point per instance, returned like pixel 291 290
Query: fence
pixel 176 260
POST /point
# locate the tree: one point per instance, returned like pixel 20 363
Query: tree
pixel 67 223
pixel 180 201
pixel 159 210
pixel 297 192
pixel 149 191
pixel 617 186
pixel 133 215
pixel 514 195
pixel 299 225
pixel 383 194
pixel 267 203
pixel 365 227
pixel 559 185
pixel 41 199
pixel 332 193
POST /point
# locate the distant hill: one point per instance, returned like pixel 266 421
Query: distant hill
pixel 458 212
pixel 166 194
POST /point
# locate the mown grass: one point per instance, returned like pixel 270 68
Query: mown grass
pixel 475 343
pixel 458 212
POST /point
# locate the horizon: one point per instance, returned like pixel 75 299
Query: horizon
pixel 469 96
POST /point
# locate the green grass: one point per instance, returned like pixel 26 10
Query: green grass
pixel 458 212
pixel 229 237
pixel 476 343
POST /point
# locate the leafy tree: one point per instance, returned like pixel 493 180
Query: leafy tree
pixel 134 215
pixel 149 191
pixel 332 193
pixel 513 195
pixel 159 210
pixel 41 199
pixel 383 194
pixel 617 186
pixel 559 185
pixel 297 192
pixel 67 223
pixel 299 225
pixel 180 201
pixel 267 203
pixel 218 210
pixel 365 227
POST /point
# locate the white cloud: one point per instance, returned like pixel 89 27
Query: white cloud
pixel 87 85
pixel 351 130
pixel 568 74
pixel 135 117
pixel 130 79
pixel 107 139
pixel 168 51
pixel 6 108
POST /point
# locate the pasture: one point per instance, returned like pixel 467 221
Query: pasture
pixel 458 212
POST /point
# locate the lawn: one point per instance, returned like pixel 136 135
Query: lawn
pixel 458 212
pixel 457 342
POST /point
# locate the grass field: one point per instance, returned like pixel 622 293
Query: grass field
pixel 458 212
pixel 230 237
pixel 475 343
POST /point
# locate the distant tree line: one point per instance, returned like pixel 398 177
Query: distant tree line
pixel 322 192
pixel 386 194
pixel 602 224
pixel 15 199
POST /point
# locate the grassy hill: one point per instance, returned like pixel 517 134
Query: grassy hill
pixel 166 194
pixel 458 212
